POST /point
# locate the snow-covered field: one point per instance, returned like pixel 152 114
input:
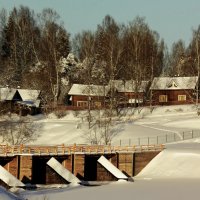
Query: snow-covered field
pixel 173 174
pixel 166 120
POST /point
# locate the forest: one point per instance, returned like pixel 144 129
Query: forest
pixel 37 52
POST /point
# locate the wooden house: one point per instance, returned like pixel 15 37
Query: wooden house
pixel 129 92
pixel 83 96
pixel 173 90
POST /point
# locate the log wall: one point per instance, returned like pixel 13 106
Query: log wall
pixel 34 170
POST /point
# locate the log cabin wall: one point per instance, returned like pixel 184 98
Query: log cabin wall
pixel 95 100
pixel 34 170
pixel 172 97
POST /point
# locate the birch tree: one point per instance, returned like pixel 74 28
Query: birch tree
pixel 135 42
pixel 108 54
pixel 177 59
pixel 196 37
pixel 20 26
pixel 143 55
pixel 54 45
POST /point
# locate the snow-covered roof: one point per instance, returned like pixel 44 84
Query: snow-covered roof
pixel 86 90
pixel 174 83
pixel 7 93
pixel 129 85
pixel 28 95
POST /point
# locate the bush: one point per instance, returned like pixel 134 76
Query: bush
pixel 60 113
pixel 76 113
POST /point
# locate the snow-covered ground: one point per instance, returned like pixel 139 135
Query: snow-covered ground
pixel 173 174
pixel 6 195
pixel 177 161
pixel 131 128
pixel 140 190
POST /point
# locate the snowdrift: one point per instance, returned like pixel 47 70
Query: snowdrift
pixel 177 161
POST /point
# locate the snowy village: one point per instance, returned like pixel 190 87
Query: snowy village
pixel 104 111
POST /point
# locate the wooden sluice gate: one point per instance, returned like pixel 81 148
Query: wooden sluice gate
pixel 28 163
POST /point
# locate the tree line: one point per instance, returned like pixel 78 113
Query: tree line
pixel 36 53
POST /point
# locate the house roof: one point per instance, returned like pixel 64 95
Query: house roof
pixel 7 94
pixel 29 95
pixel 129 85
pixel 174 83
pixel 86 90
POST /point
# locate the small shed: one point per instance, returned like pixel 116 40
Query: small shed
pixel 174 90
pixel 30 101
pixel 82 95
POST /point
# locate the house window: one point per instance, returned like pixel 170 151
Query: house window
pixel 97 104
pixel 162 98
pixel 181 97
pixel 82 103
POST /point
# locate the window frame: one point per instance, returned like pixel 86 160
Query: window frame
pixel 82 104
pixel 163 98
pixel 182 97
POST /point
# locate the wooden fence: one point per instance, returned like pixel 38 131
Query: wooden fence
pixel 6 150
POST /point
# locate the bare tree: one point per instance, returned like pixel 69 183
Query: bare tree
pixel 18 130
pixel 198 67
pixel 3 50
pixel 191 62
pixel 54 45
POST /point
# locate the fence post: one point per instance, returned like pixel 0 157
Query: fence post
pixel 120 143
pixel 157 139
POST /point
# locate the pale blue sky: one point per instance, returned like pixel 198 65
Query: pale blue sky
pixel 172 19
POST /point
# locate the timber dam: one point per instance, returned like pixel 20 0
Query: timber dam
pixel 29 164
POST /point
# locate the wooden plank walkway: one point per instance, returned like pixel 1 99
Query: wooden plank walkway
pixel 7 150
